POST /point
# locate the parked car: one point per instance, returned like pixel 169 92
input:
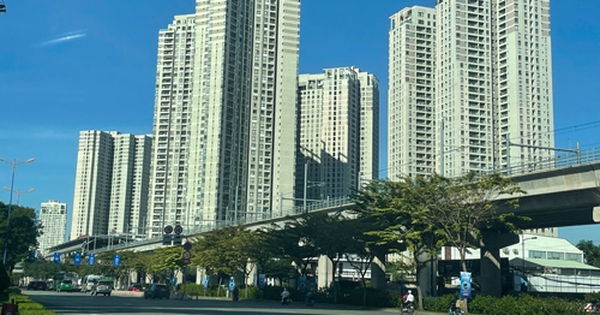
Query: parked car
pixel 136 287
pixel 157 291
pixel 104 287
pixel 65 285
pixel 37 285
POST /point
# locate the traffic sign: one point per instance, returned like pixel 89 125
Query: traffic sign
pixel 91 259
pixel 187 246
pixel 77 259
pixel 57 258
pixel 117 260
pixel 178 229
pixel 186 257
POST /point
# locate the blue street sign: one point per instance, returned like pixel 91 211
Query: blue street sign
pixel 57 258
pixel 91 259
pixel 77 259
pixel 117 260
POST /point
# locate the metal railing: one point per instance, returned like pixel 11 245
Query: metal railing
pixel 558 161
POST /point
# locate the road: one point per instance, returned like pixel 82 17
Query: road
pixel 82 304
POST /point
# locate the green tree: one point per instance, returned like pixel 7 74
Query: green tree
pixel 41 269
pixel 164 261
pixel 591 252
pixel 296 241
pixel 460 209
pixel 395 223
pixel 334 239
pixel 21 235
pixel 221 252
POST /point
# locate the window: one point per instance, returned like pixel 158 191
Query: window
pixel 537 254
pixel 556 256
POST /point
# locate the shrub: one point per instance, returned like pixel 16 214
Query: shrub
pixel 26 305
pixel 438 303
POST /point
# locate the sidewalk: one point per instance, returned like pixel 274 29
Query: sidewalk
pixel 417 312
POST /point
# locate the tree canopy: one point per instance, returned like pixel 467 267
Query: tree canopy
pixel 22 233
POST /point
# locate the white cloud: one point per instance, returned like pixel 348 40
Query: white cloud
pixel 63 38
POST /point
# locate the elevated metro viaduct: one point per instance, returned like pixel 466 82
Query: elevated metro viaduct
pixel 554 198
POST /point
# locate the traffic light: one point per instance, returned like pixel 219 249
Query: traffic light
pixel 167 239
pixel 177 239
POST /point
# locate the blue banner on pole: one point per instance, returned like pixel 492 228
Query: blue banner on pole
pixel 32 256
pixel 91 259
pixel 57 258
pixel 205 282
pixel 231 284
pixel 465 285
pixel 117 260
pixel 77 259
pixel 262 281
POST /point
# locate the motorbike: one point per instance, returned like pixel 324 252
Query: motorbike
pixel 309 301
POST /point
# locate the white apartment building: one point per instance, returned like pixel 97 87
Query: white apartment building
pixel 492 85
pixel 129 186
pixel 111 176
pixel 337 132
pixel 411 98
pixel 225 141
pixel 369 127
pixel 53 218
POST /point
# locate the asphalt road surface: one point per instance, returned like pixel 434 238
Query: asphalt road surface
pixel 64 303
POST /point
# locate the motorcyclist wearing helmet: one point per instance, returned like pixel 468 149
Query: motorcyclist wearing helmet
pixel 408 299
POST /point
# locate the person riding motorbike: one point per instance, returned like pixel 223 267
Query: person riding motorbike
pixel 310 300
pixel 285 296
pixel 408 299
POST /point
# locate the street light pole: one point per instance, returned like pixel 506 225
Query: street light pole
pixel 523 251
pixel 14 164
pixel 19 192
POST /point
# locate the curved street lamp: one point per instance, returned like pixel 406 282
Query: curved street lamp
pixel 14 165
pixel 19 192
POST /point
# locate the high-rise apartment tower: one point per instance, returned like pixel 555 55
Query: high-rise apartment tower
pixel 337 132
pixel 111 179
pixel 487 82
pixel 225 113
pixel 53 218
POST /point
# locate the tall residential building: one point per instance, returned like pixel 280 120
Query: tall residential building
pixel 225 141
pixel 337 132
pixel 411 97
pixel 53 218
pixel 492 85
pixel 369 127
pixel 112 175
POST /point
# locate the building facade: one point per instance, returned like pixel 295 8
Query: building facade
pixel 490 93
pixel 111 181
pixel 53 218
pixel 225 141
pixel 411 98
pixel 337 133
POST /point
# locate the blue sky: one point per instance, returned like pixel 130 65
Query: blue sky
pixel 69 65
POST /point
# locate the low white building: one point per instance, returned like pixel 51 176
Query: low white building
pixel 550 264
pixel 533 246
